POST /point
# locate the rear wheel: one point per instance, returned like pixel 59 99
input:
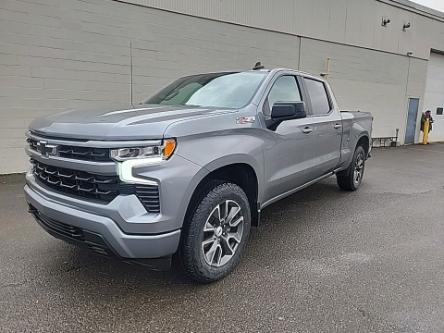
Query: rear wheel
pixel 351 178
pixel 216 233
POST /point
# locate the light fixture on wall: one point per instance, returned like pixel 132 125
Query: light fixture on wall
pixel 385 21
pixel 406 26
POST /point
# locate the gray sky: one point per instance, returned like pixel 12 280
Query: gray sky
pixel 435 4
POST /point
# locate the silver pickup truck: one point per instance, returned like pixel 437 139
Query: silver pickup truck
pixel 187 173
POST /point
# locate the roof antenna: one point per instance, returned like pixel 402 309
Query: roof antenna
pixel 258 66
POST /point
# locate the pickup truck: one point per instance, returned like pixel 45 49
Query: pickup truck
pixel 186 174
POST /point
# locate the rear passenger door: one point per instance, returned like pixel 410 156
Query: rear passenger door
pixel 326 126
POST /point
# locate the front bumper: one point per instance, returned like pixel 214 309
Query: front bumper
pixel 99 231
pixel 124 224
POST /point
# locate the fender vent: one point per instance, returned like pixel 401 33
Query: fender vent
pixel 149 197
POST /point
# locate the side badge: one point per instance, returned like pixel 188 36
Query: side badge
pixel 245 120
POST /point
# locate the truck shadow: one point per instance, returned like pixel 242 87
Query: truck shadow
pixel 282 228
pixel 280 221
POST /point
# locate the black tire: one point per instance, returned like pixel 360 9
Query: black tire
pixel 204 213
pixel 347 179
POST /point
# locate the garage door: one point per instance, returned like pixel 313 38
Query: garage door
pixel 434 95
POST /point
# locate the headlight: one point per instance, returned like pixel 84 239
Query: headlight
pixel 163 152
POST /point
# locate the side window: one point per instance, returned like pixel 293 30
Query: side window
pixel 285 89
pixel 318 96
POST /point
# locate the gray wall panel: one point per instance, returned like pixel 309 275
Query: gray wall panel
pixel 61 55
pixel 354 22
pixel 57 55
pixel 365 80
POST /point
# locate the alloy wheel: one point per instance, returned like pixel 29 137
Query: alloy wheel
pixel 222 233
pixel 359 169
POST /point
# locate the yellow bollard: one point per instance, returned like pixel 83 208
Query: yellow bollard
pixel 425 137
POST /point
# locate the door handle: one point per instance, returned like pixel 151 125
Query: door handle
pixel 307 130
pixel 337 126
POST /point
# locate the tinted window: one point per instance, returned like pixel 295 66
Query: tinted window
pixel 285 89
pixel 223 90
pixel 318 96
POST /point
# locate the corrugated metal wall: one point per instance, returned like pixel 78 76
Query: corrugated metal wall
pixel 367 80
pixel 69 54
pixel 354 22
pixel 62 55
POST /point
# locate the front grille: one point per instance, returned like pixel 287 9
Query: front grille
pixel 79 183
pixel 93 186
pixel 77 152
pixel 84 153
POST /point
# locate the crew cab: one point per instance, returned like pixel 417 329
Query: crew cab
pixel 187 172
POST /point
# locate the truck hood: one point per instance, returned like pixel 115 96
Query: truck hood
pixel 146 122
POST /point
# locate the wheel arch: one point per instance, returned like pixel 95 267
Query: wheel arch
pixel 240 173
pixel 363 141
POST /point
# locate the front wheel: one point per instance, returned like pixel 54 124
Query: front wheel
pixel 216 232
pixel 351 178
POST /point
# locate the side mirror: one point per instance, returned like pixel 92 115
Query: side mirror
pixel 286 111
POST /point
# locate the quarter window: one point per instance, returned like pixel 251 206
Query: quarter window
pixel 285 89
pixel 318 95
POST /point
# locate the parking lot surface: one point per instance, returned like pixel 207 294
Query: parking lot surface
pixel 323 260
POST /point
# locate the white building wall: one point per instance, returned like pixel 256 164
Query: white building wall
pixel 57 55
pixel 363 80
pixel 61 55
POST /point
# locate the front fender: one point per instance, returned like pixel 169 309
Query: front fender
pixel 216 151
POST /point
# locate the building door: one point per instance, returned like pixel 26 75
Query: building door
pixel 411 121
pixel 434 95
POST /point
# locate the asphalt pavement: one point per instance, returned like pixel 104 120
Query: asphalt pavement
pixel 323 260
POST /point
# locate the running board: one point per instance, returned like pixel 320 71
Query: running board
pixel 286 194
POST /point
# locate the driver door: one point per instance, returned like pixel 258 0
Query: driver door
pixel 287 149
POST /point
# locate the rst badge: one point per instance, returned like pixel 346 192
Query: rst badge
pixel 245 120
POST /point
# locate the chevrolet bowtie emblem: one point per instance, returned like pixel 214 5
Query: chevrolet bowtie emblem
pixel 46 149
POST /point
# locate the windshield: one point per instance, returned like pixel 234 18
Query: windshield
pixel 222 90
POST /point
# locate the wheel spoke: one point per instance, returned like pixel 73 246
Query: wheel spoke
pixel 234 235
pixel 212 252
pixel 225 217
pixel 235 223
pixel 209 227
pixel 230 249
pixel 233 212
pixel 218 254
pixel 216 213
pixel 210 240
